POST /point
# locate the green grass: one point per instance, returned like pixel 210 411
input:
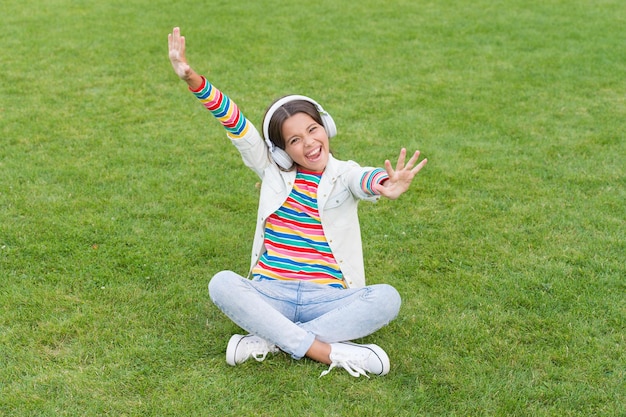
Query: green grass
pixel 120 197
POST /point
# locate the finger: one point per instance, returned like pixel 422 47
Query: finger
pixel 177 40
pixel 172 37
pixel 379 189
pixel 413 160
pixel 389 168
pixel 382 190
pixel 401 158
pixel 419 166
pixel 172 41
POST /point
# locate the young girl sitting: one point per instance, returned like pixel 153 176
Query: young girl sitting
pixel 305 293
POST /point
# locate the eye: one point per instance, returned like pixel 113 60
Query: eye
pixel 293 141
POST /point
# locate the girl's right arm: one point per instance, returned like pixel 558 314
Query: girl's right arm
pixel 224 110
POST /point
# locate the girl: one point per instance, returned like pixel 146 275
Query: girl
pixel 307 294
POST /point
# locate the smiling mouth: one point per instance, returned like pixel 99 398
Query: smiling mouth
pixel 315 154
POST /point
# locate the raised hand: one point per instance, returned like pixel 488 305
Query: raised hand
pixel 400 179
pixel 176 46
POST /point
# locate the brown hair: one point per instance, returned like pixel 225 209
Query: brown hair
pixel 275 127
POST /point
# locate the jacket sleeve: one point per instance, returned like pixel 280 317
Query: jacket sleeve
pixel 253 151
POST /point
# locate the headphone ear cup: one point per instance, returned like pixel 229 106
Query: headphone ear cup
pixel 281 158
pixel 329 124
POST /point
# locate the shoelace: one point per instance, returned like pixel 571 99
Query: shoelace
pixel 260 349
pixel 352 369
pixel 258 356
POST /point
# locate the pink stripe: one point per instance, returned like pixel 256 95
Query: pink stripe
pixel 330 260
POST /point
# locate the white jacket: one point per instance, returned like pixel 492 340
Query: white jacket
pixel 338 194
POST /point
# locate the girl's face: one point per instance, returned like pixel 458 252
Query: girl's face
pixel 306 142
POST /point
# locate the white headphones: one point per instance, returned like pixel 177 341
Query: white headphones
pixel 279 155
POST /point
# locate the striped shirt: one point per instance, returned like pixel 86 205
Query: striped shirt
pixel 224 110
pixel 296 247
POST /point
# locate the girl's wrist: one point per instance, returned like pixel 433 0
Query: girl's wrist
pixel 195 82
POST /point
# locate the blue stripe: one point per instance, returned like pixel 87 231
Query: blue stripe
pixel 288 264
pixel 294 240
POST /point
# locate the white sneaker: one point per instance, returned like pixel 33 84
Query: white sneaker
pixel 358 359
pixel 241 348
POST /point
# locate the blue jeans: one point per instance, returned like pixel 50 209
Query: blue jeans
pixel 292 314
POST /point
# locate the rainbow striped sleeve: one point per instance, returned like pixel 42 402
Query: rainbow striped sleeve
pixel 223 108
pixel 369 178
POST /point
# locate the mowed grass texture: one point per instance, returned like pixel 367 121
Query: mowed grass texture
pixel 120 197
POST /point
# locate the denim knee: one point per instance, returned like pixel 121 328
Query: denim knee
pixel 222 284
pixel 389 300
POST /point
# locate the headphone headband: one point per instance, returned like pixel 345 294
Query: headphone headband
pixel 287 99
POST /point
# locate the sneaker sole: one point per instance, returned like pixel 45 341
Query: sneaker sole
pixel 232 348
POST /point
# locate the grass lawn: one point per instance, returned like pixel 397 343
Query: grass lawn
pixel 120 197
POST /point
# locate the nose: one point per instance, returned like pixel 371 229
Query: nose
pixel 309 140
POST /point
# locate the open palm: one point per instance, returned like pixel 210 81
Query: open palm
pixel 401 177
